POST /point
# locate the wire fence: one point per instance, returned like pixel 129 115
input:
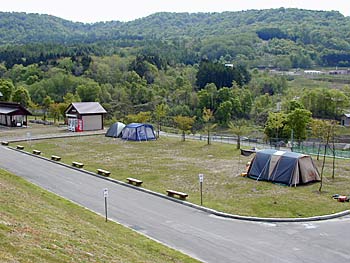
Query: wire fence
pixel 342 150
pixel 320 149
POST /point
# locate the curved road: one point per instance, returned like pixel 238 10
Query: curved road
pixel 196 233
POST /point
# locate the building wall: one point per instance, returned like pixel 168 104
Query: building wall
pixel 345 121
pixel 92 122
pixel 2 119
pixel 12 121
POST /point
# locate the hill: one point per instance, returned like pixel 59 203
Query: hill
pixel 281 37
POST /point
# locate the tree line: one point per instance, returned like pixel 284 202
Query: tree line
pixel 144 87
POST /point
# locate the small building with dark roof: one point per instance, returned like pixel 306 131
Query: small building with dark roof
pixel 85 116
pixel 345 120
pixel 13 114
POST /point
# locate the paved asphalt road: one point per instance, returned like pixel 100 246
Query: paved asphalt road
pixel 196 233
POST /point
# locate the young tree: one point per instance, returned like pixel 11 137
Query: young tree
pixel 238 127
pixel 160 112
pixel 326 134
pixel 327 137
pixel 208 117
pixel 46 105
pixel 55 111
pixel 318 128
pixel 184 123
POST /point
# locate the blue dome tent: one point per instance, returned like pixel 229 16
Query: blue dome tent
pixel 138 132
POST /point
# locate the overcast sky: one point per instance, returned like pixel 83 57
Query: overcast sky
pixel 89 11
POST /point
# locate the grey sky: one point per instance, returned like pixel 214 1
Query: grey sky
pixel 89 11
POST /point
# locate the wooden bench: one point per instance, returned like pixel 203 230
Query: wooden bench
pixel 134 181
pixel 173 193
pixel 55 158
pixel 78 165
pixel 37 152
pixel 20 147
pixel 103 172
pixel 4 143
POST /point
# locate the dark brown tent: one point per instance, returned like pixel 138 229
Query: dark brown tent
pixel 288 168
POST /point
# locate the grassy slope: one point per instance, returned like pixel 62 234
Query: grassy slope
pixel 170 163
pixel 37 226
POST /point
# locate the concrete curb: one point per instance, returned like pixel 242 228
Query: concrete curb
pixel 57 136
pixel 198 207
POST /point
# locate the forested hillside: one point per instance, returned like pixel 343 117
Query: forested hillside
pixel 283 38
pixel 210 68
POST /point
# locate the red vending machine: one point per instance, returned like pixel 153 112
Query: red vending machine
pixel 80 126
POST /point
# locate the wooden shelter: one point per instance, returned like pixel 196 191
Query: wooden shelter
pixel 13 114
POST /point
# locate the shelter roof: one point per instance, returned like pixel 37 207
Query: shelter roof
pixel 11 107
pixel 6 110
pixel 87 107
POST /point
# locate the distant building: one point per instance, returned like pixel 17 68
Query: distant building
pixel 85 116
pixel 345 120
pixel 339 72
pixel 312 72
pixel 13 114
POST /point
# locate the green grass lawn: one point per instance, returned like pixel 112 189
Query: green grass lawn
pixel 37 226
pixel 169 163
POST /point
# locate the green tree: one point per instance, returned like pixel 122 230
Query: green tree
pixel 293 105
pixel 89 92
pixel 160 112
pixel 221 75
pixel 70 97
pixel 261 106
pixel 223 113
pixel 328 133
pixel 274 125
pixel 46 105
pixel 21 95
pixel 184 123
pixel 239 128
pixel 55 111
pixel 140 117
pixel 298 121
pixel 208 117
pixel 6 88
pixel 318 128
pixel 208 97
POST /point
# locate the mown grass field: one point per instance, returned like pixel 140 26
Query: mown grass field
pixel 37 226
pixel 169 163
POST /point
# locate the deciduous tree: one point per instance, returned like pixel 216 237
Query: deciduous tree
pixel 184 123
